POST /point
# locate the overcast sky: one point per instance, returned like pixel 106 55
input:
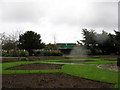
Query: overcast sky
pixel 63 19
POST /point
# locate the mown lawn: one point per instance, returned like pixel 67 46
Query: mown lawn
pixel 84 71
pixel 5 66
pixel 92 73
pixel 96 61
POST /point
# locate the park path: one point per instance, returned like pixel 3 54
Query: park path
pixel 67 63
pixel 98 66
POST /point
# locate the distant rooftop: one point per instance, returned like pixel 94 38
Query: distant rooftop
pixel 66 45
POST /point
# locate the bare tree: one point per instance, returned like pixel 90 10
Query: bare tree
pixel 3 38
pixel 10 41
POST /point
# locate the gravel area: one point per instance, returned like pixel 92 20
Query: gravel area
pixel 112 67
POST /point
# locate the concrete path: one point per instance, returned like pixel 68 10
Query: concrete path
pixel 67 63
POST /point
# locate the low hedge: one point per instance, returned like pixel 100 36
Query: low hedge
pixel 52 54
pixel 22 53
pixel 47 53
pixel 15 54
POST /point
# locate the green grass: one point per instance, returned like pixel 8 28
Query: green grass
pixel 72 60
pixel 92 73
pixel 5 66
pixel 52 60
pixel 96 61
pixel 100 62
pixel 84 71
pixel 13 64
pixel 70 56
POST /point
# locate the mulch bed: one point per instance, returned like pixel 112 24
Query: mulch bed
pixel 109 60
pixel 10 61
pixel 103 56
pixel 49 80
pixel 112 60
pixel 36 66
pixel 17 60
pixel 4 60
pixel 79 61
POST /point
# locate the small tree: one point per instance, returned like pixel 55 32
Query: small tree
pixel 89 37
pixel 7 42
pixel 117 40
pixel 51 46
pixel 105 43
pixel 10 40
pixel 30 40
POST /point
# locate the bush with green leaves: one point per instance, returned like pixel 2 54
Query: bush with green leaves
pixel 52 53
pixel 4 54
pixel 23 58
pixel 15 53
pixel 23 54
pixel 47 53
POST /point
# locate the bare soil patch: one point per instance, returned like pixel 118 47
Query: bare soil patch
pixel 15 60
pixel 36 66
pixel 4 60
pixel 110 60
pixel 50 80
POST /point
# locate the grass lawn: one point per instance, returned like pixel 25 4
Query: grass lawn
pixel 100 62
pixel 84 71
pixel 92 73
pixel 71 60
pixel 96 61
pixel 13 64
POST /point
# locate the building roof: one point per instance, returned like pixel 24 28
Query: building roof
pixel 66 45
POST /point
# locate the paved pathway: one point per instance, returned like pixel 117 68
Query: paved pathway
pixel 67 63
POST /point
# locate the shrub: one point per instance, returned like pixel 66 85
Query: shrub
pixel 47 53
pixel 23 54
pixel 15 54
pixel 5 54
pixel 23 58
pixel 52 54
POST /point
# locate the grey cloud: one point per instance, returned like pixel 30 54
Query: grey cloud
pixel 21 12
pixel 106 14
pixel 98 15
pixel 60 16
pixel 119 16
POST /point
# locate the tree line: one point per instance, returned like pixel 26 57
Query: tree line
pixel 97 43
pixel 101 43
pixel 29 40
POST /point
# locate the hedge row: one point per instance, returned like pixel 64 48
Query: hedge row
pixel 35 53
pixel 15 54
pixel 47 53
